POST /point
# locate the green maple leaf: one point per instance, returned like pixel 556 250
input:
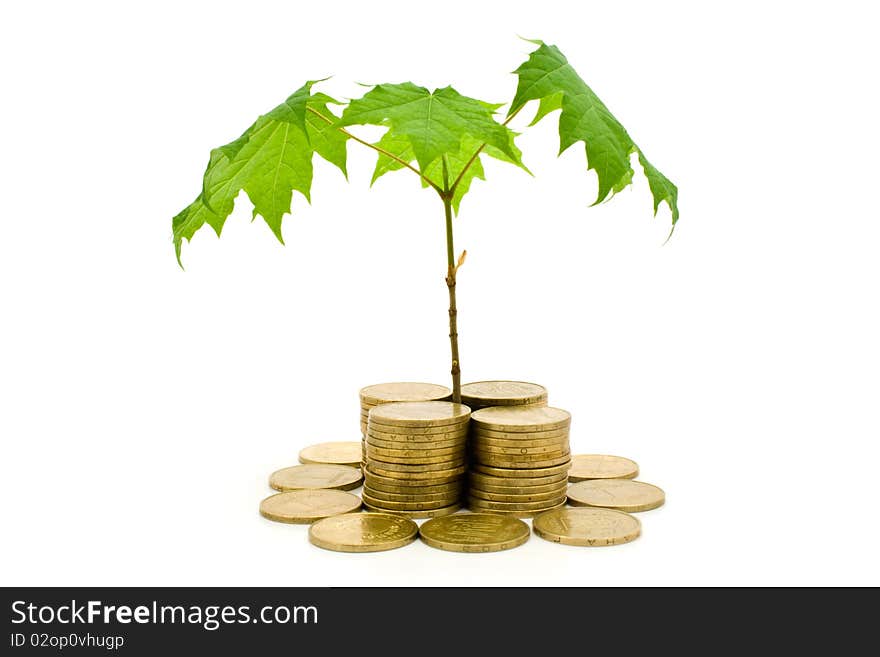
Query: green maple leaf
pixel 401 147
pixel 433 122
pixel 428 127
pixel 547 76
pixel 269 161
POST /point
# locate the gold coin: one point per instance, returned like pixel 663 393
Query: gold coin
pixel 525 437
pixel 426 513
pixel 601 466
pixel 481 394
pixel 420 414
pixel 448 496
pixel 316 475
pixel 518 462
pixel 405 451
pixel 382 393
pixel 431 471
pixel 479 503
pixel 416 446
pixel 530 473
pixel 519 514
pixel 518 497
pixel 306 506
pixel 418 433
pixel 457 457
pixel 588 527
pixel 388 505
pixel 346 452
pixel 414 467
pixel 478 439
pixel 521 419
pixel 363 532
pixel 401 434
pixel 620 494
pixel 549 450
pixel 410 487
pixel 420 478
pixel 484 480
pixel 385 491
pixel 446 460
pixel 430 478
pixel 398 464
pixel 474 532
pixel 510 489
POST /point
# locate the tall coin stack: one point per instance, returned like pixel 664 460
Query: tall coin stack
pixel 520 458
pixel 384 393
pixel 416 458
pixel 482 394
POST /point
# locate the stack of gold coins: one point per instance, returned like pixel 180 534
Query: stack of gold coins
pixel 385 393
pixel 416 462
pixel 482 394
pixel 519 459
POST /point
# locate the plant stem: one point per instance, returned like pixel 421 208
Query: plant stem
pixel 477 153
pixel 451 272
pixel 453 310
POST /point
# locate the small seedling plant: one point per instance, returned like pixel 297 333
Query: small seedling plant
pixel 439 136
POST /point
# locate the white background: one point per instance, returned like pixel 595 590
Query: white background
pixel 143 407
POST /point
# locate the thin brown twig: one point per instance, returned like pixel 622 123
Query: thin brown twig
pixel 397 159
pixel 477 153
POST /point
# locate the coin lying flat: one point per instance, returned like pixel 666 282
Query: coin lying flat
pixel 425 513
pixel 382 393
pixel 519 419
pixel 446 466
pixel 484 456
pixel 518 462
pixel 363 532
pixel 481 394
pixel 474 532
pixel 478 440
pixel 621 494
pixel 408 487
pixel 315 475
pixel 521 514
pixel 484 481
pixel 416 439
pixel 518 490
pixel 306 506
pixel 479 431
pixel 601 466
pixel 394 507
pixel 414 447
pixel 587 527
pixel 550 496
pixel 447 496
pixel 415 454
pixel 420 414
pixel 479 503
pixel 346 452
pixel 529 473
pixel 553 450
pixel 413 431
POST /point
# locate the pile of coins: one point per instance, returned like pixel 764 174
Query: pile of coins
pixel 416 458
pixel 482 394
pixel 520 458
pixel 385 393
